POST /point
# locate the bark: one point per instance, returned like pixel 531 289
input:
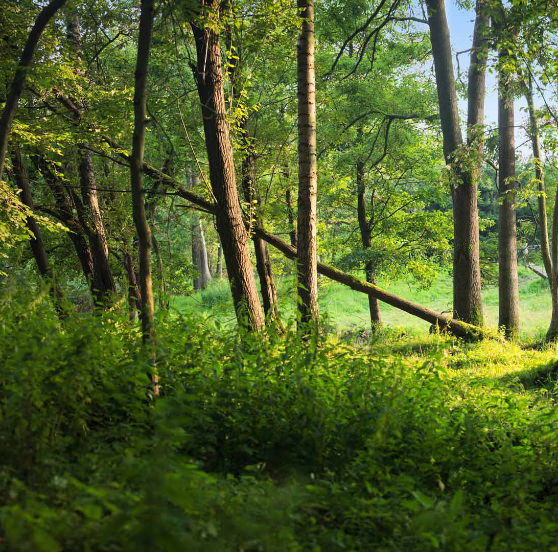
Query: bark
pixel 18 82
pixel 467 300
pixel 200 259
pixel 138 195
pixel 263 262
pixel 365 225
pixel 230 226
pixel 507 185
pixel 36 240
pixel 307 168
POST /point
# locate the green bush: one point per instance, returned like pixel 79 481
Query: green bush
pixel 268 443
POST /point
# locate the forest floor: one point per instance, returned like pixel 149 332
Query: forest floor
pixel 265 443
pixel 347 310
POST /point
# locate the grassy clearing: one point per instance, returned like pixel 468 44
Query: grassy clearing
pixel 348 310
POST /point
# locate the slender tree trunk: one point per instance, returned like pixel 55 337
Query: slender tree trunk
pixel 263 262
pixel 307 258
pixel 230 225
pixel 138 195
pixel 18 83
pixel 200 259
pixel 549 266
pixel 366 238
pixel 36 241
pixel 507 237
pixel 466 261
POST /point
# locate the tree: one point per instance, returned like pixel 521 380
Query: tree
pixel 467 300
pixel 508 284
pixel 232 233
pixel 136 170
pixel 307 255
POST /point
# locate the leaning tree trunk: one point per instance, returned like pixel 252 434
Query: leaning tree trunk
pixel 263 262
pixel 18 83
pixel 467 300
pixel 230 226
pixel 457 327
pixel 36 239
pixel 136 170
pixel 365 226
pixel 507 187
pixel 307 255
pixel 549 266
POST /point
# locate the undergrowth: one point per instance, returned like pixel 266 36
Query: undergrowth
pixel 261 443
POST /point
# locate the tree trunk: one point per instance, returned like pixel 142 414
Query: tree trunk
pixel 230 225
pixel 507 236
pixel 36 241
pixel 18 83
pixel 200 260
pixel 549 266
pixel 307 168
pixel 66 214
pixel 138 196
pixel 366 238
pixel 263 262
pixel 467 300
pixel 103 282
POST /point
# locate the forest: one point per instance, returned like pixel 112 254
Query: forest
pixel 278 275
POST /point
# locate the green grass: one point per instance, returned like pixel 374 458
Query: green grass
pixel 348 310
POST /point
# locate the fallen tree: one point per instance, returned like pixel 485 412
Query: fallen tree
pixel 442 322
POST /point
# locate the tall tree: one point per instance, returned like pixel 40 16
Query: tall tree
pixel 507 186
pixel 467 300
pixel 230 225
pixel 18 82
pixel 307 256
pixel 136 166
pixel 549 250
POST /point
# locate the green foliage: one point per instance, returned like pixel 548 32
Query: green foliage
pixel 260 443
